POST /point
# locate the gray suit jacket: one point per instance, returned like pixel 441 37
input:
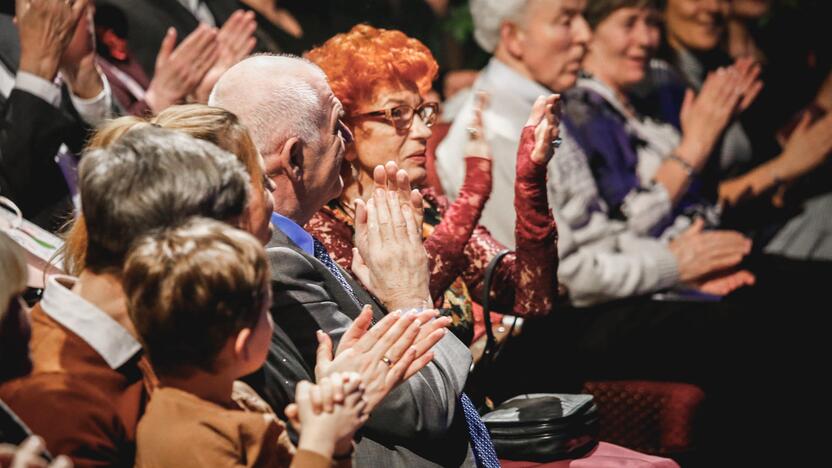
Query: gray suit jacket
pixel 419 423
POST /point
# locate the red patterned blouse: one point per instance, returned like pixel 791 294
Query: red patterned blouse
pixel 459 249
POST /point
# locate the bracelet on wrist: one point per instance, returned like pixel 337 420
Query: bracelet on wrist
pixel 686 166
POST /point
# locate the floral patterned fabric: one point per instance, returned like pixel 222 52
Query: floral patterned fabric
pixel 459 249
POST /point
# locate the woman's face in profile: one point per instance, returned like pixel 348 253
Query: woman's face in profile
pixel 696 24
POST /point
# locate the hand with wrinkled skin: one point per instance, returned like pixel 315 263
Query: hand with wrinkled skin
pixel 389 258
pixel 404 339
pixel 45 28
pixel 700 253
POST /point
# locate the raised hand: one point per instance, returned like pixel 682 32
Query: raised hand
pixel 179 70
pixel 700 254
pixel 705 116
pixel 749 84
pixel 476 146
pixel 545 118
pixel 46 27
pixel 78 60
pixel 389 258
pixel 236 40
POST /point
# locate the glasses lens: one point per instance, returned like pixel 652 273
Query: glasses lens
pixel 401 116
pixel 429 112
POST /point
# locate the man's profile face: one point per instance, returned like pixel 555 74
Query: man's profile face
pixel 551 40
pixel 323 173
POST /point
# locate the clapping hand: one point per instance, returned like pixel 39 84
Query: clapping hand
pixel 235 40
pixel 385 355
pixel 389 258
pixel 328 413
pixel 545 118
pixel 180 69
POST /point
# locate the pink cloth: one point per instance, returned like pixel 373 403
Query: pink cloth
pixel 605 455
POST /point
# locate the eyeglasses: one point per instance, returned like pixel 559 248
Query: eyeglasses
pixel 401 117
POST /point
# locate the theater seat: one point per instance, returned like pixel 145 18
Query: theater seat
pixel 648 416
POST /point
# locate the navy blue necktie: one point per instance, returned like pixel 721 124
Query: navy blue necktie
pixel 481 445
pixel 322 255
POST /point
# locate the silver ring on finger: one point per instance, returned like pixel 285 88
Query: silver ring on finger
pixel 557 142
pixel 387 361
pixel 472 131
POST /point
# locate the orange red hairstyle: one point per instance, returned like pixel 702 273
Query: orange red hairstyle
pixel 364 60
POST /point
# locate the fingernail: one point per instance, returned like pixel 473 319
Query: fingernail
pixel 396 313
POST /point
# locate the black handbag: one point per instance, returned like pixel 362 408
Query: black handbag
pixel 540 427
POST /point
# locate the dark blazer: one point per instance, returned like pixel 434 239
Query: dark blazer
pixel 418 424
pixel 148 20
pixel 31 132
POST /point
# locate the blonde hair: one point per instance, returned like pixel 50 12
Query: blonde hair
pixel 212 124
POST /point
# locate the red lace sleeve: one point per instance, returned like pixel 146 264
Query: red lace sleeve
pixel 530 272
pixel 445 246
pixel 334 234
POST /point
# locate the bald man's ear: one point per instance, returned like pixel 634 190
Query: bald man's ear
pixel 290 158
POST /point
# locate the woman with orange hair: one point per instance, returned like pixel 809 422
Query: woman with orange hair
pixel 380 77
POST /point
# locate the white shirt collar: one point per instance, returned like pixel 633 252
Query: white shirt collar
pixel 6 80
pixel 106 336
pixel 505 77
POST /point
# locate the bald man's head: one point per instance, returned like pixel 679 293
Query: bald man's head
pixel 277 97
